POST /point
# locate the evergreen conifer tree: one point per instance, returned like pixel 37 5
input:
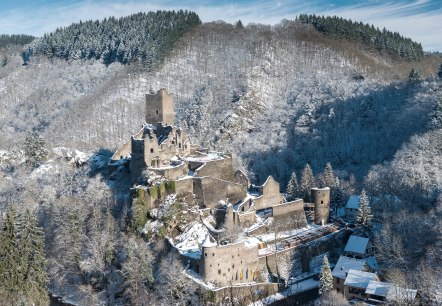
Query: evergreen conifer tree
pixel 307 182
pixel 32 253
pixel 364 215
pixel 415 75
pixel 10 260
pixel 292 186
pixel 325 277
pixel 436 117
pixel 329 176
pixel 35 151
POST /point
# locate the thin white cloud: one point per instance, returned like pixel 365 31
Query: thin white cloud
pixel 410 19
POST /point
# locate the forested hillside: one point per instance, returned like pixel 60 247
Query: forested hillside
pixel 145 37
pixel 15 40
pixel 277 97
pixel 385 42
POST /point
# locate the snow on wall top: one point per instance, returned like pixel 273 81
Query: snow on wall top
pixel 205 157
pixel 208 242
pixel 191 239
pixel 356 244
pixel 359 279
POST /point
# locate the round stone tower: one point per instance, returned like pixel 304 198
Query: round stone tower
pixel 207 259
pixel 321 197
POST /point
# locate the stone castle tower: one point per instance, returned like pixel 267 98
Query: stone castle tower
pixel 321 197
pixel 160 108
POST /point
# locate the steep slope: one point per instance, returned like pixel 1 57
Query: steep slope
pixel 274 96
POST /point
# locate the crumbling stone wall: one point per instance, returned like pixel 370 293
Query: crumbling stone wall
pixel 172 173
pixel 209 191
pixel 137 163
pixel 291 214
pixel 184 186
pixel 270 195
pixel 242 179
pixel 246 219
pixel 220 169
pixel 331 243
pixel 122 152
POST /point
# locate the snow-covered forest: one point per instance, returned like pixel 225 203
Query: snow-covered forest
pixel 277 97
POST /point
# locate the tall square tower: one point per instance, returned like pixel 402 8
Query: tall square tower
pixel 160 108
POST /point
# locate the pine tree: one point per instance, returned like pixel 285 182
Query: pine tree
pixel 35 151
pixel 10 261
pixel 307 182
pixel 292 187
pixel 415 75
pixel 364 211
pixel 337 197
pixel 32 253
pixel 329 176
pixel 325 277
pixel 436 116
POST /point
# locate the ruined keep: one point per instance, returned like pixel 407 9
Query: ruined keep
pixel 157 142
pixel 160 108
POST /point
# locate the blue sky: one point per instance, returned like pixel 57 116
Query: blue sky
pixel 419 19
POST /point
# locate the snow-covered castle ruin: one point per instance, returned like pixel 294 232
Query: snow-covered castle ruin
pixel 216 199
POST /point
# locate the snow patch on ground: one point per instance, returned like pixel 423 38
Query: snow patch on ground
pixel 190 241
pixel 73 156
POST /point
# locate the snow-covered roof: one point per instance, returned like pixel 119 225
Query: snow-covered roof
pixel 208 242
pixel 398 294
pixel 378 288
pixel 345 264
pixel 353 202
pixel 356 244
pixel 359 279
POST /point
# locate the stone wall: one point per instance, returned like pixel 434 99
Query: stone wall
pixel 172 173
pixel 184 186
pixel 291 214
pixel 209 191
pixel 137 163
pixel 242 179
pixel 220 169
pixel 246 219
pixel 229 263
pixel 245 294
pixel 160 107
pixel 122 152
pixel 270 195
pixel 331 243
